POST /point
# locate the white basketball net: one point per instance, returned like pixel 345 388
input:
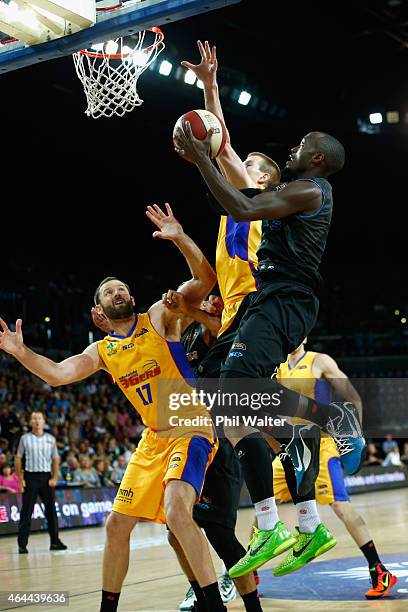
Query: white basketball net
pixel 109 73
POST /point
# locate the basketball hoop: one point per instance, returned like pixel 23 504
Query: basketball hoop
pixel 109 72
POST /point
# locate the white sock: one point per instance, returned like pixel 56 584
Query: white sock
pixel 266 513
pixel 308 517
pixel 223 569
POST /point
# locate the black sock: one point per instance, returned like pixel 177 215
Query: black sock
pixel 213 597
pixel 255 458
pixel 201 603
pixel 291 482
pixel 109 601
pixel 251 602
pixel 371 554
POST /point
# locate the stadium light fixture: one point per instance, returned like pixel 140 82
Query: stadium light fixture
pixel 392 117
pixel 190 77
pixel 165 68
pixel 244 98
pixel 375 118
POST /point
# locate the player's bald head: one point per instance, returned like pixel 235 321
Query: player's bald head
pixel 331 148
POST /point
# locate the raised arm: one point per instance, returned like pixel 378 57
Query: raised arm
pixel 297 197
pixel 325 366
pixel 55 374
pixel 203 275
pixel 231 165
pixel 206 71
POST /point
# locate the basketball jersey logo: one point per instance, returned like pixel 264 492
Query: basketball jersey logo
pixel 275 372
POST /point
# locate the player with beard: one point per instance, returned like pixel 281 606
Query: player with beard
pixel 296 221
pixel 216 512
pixel 144 355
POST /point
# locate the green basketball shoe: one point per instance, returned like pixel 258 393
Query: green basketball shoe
pixel 264 545
pixel 308 546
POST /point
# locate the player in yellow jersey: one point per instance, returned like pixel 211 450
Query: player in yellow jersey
pixel 143 353
pixel 317 375
pixel 237 243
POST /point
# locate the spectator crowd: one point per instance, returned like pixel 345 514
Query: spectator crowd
pixel 95 427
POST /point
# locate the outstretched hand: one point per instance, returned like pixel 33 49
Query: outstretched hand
pixel 206 70
pixel 170 228
pixel 187 145
pixel 11 342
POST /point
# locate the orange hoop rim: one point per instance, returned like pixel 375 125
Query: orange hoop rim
pixel 118 56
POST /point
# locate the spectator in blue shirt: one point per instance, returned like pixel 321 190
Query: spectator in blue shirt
pixel 389 444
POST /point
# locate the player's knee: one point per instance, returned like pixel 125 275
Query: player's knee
pixel 225 543
pixel 340 509
pixel 117 529
pixel 178 514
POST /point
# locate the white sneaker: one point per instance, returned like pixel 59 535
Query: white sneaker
pixel 227 588
pixel 188 601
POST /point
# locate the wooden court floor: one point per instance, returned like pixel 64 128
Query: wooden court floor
pixel 155 582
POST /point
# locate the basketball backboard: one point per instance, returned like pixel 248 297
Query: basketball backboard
pixel 127 17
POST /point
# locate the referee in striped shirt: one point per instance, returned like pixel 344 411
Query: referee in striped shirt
pixel 39 478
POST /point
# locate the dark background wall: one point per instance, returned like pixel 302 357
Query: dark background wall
pixel 74 190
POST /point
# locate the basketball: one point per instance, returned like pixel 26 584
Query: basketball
pixel 201 121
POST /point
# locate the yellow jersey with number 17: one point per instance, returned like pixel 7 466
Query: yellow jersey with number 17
pixel 156 378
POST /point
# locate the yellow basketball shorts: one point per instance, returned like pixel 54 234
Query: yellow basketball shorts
pixel 155 461
pixel 330 485
pixel 228 315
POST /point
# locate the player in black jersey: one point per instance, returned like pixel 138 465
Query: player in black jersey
pixel 296 219
pixel 199 336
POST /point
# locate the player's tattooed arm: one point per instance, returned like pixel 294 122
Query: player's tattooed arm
pixel 297 197
pixel 326 367
pixel 70 370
